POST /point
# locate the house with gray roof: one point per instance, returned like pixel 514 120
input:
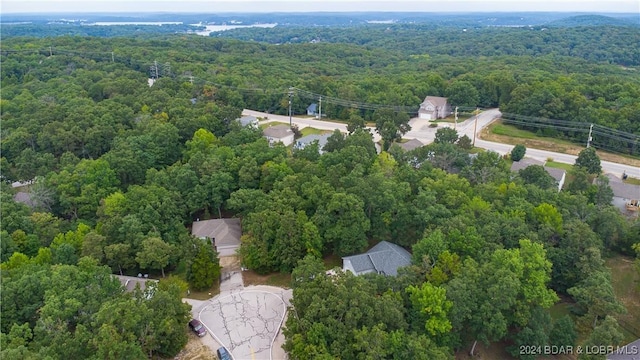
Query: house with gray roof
pixel 630 351
pixel 248 121
pixel 310 139
pixel 410 145
pixel 559 175
pixel 385 258
pixel 224 234
pixel 279 133
pixel 625 196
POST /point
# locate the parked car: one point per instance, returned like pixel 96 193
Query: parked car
pixel 223 354
pixel 197 327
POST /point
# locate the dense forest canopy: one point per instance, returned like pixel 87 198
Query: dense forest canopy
pixel 119 169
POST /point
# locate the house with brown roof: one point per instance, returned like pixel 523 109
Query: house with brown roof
pixel 434 107
pixel 279 133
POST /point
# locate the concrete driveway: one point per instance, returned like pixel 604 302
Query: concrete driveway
pixel 247 322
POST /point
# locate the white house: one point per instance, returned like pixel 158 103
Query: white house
pixel 279 133
pixel 434 107
pixel 312 109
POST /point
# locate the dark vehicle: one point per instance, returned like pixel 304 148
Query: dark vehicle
pixel 197 327
pixel 223 354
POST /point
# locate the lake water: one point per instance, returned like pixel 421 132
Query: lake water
pixel 214 28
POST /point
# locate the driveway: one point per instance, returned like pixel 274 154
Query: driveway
pixel 245 320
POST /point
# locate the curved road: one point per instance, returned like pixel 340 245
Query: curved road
pixel 420 130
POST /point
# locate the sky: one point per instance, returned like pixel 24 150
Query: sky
pixel 252 6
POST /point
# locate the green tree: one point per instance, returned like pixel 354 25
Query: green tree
pixel 343 223
pixel 563 333
pixel 391 125
pixel 538 176
pixel 205 268
pixel 154 254
pixel 607 333
pixel 431 302
pixel 354 123
pixel 462 93
pixel 589 160
pixel 446 135
pixel 518 151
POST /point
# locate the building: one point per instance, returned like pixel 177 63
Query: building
pixel 310 139
pixel 433 108
pixel 626 197
pixel 279 133
pixel 559 175
pixel 312 109
pixel 130 283
pixel 385 258
pixel 248 121
pixel 410 145
pixel 223 233
pixel 630 351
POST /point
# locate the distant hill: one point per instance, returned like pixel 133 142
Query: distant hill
pixel 596 20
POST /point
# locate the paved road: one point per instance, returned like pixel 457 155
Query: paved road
pixel 420 130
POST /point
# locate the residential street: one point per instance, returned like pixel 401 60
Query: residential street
pixel 420 130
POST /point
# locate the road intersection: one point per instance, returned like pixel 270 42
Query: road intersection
pixel 421 130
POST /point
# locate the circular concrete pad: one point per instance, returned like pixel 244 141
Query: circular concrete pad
pixel 245 322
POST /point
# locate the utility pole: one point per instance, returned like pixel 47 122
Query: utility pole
pixel 589 139
pixel 191 79
pixel 290 96
pixel 455 119
pixel 155 66
pixel 475 126
pixel 112 58
pixel 320 109
pixel 50 51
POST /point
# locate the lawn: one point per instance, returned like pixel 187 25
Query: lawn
pixel 282 280
pixel 508 130
pixel 626 284
pixel 270 124
pixel 632 181
pixel 313 131
pixel 509 134
pixel 557 165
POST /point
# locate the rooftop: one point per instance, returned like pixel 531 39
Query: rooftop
pixel 226 233
pixel 525 163
pixel 385 258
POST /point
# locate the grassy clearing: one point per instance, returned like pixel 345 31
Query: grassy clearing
pixel 557 165
pixel 632 181
pixel 508 134
pixel 313 131
pixel 282 280
pixel 626 284
pixel 270 124
pixel 205 294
